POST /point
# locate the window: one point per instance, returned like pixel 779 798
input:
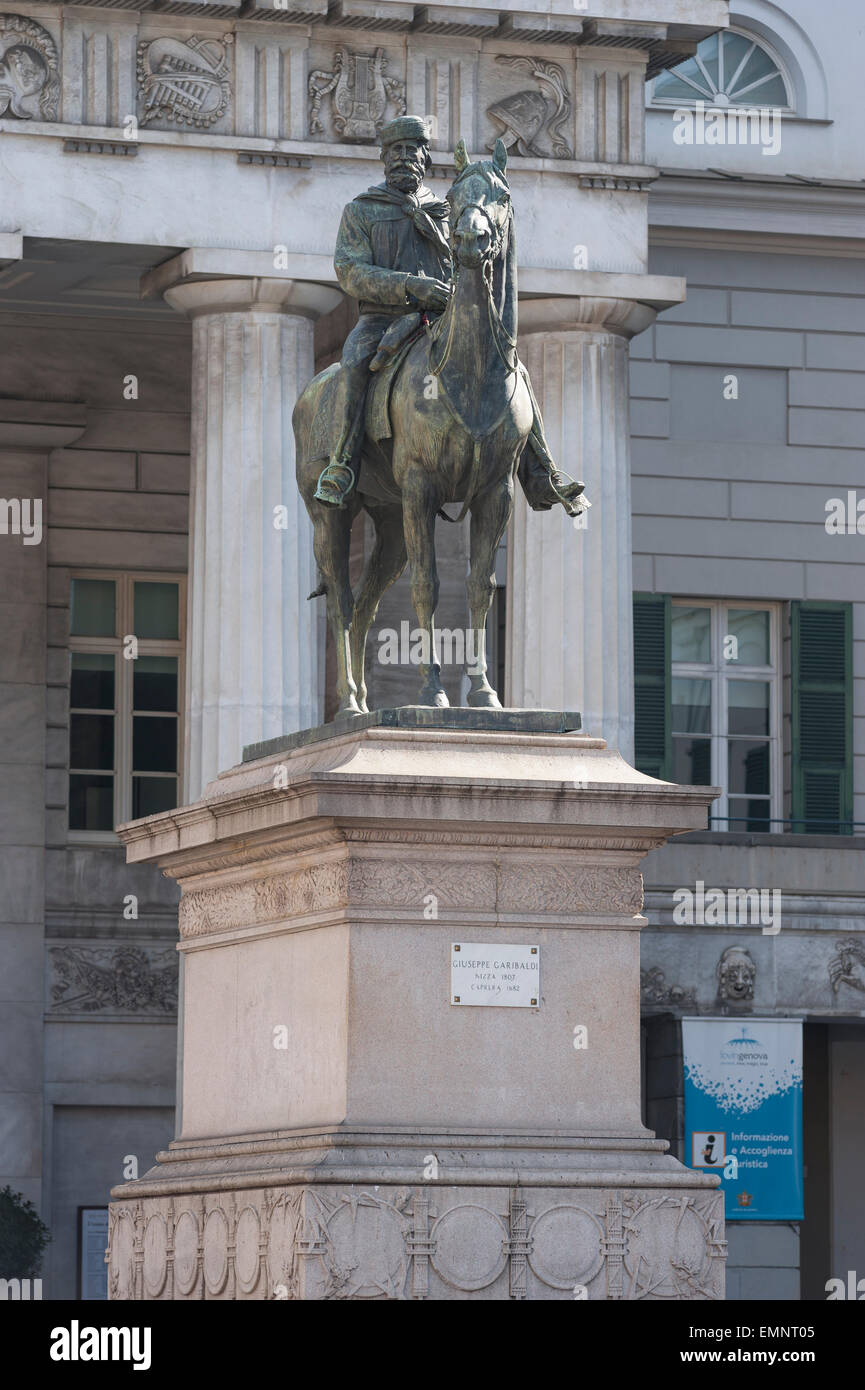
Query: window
pixel 707 707
pixel 725 718
pixel 728 69
pixel 125 696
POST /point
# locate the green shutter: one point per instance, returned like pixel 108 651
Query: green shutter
pixel 822 717
pixel 652 741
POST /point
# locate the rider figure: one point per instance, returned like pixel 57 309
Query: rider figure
pixel 393 255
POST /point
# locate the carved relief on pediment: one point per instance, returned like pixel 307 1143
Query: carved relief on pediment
pixel 29 71
pixel 184 82
pixel 533 120
pixel 353 98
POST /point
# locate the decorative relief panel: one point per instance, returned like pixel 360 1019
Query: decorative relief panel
pixel 533 887
pixel 363 97
pixel 534 121
pixel 335 1244
pixel 847 966
pixel 184 82
pixel 29 70
pixel 525 886
pixel 654 990
pixel 208 910
pixel 112 979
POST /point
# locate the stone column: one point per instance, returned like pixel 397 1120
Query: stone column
pixel 29 430
pixel 569 615
pixel 254 644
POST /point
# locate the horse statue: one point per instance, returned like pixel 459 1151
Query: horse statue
pixel 460 415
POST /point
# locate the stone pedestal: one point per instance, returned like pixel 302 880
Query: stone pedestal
pixel 349 1131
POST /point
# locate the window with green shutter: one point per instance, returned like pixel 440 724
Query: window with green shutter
pixel 652 686
pixel 822 717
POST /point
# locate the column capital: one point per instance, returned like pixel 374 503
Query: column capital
pixel 586 314
pixel 216 280
pixel 255 294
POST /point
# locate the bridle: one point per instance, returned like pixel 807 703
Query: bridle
pixel 505 345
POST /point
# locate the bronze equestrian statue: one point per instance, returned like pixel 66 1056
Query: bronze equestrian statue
pixel 429 405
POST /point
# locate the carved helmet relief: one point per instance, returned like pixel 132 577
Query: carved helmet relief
pixel 534 120
pixel 29 70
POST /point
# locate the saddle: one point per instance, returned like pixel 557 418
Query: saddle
pixel 392 351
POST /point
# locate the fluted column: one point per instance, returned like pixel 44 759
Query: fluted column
pixel 254 644
pixel 569 613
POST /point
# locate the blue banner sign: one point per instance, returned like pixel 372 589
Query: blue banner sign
pixel 743 1112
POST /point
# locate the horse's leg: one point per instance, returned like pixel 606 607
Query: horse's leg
pixel 420 502
pixel 385 564
pixel 490 516
pixel 331 537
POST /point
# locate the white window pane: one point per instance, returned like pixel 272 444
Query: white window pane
pixel 750 627
pixel 691 706
pixel 92 603
pixel 691 634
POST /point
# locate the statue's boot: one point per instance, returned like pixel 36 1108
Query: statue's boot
pixel 542 482
pixel 339 479
pixel 335 484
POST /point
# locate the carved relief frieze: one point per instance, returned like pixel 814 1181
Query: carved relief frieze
pixel 402 883
pixel 112 979
pixel 336 1244
pixel 529 886
pixel 534 120
pixel 247 904
pixel 184 82
pixel 675 1247
pixel 363 96
pixel 458 884
pixel 29 71
pixel 847 966
pixel 654 990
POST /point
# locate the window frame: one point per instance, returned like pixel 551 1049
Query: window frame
pixel 686 103
pixel 124 613
pixel 719 673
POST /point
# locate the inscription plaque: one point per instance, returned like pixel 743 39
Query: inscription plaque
pixel 506 975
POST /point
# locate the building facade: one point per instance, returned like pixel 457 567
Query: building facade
pixel 172 182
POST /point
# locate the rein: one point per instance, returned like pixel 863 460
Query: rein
pixel 500 335
pixel 504 344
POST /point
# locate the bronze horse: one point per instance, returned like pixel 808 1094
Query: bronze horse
pixel 461 412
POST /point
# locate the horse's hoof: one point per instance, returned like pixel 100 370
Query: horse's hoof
pixel 437 699
pixel 349 709
pixel 484 699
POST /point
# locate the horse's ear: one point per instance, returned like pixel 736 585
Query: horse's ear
pixel 500 156
pixel 461 156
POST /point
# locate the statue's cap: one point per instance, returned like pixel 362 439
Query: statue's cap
pixel 405 128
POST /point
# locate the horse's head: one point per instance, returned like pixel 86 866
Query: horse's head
pixel 480 204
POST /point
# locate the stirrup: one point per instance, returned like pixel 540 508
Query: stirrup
pixel 342 488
